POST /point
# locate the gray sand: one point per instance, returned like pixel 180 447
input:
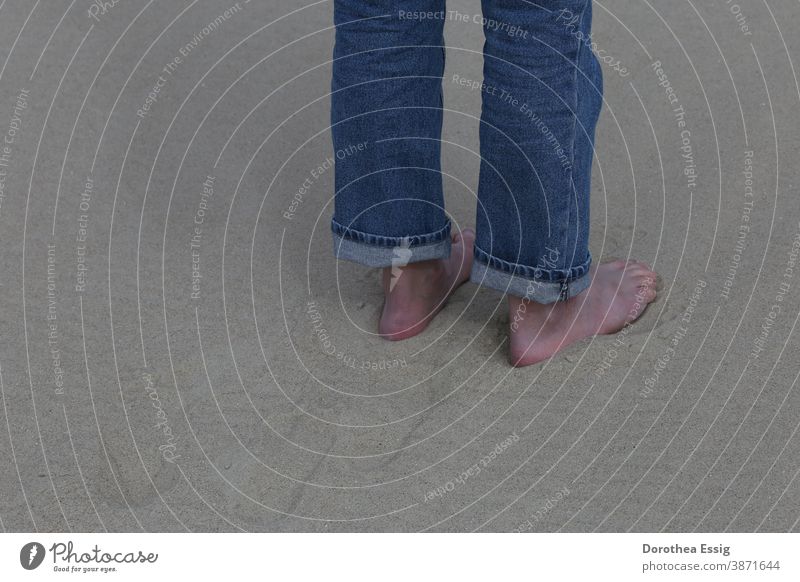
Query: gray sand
pixel 162 374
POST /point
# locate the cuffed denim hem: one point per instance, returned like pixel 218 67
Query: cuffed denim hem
pixel 535 283
pixel 373 250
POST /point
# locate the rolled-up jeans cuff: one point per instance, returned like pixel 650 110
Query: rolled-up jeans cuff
pixel 373 250
pixel 534 283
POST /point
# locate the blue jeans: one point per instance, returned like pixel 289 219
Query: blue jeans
pixel 541 97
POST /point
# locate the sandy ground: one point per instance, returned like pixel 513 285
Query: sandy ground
pixel 162 361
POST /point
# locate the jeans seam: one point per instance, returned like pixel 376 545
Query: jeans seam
pixel 573 135
pixel 577 94
pixel 415 240
pixel 562 276
pixel 563 294
pixel 542 291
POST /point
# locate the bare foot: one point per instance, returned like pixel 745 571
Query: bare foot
pixel 618 294
pixel 416 292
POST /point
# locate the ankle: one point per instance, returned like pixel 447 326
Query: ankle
pixel 419 271
pixel 432 266
pixel 523 307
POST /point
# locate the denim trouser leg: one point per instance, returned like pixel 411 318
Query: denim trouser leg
pixel 540 107
pixel 386 119
pixel 543 98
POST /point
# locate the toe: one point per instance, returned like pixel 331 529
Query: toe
pixel 647 288
pixel 649 294
pixel 634 266
pixel 646 275
pixel 650 278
